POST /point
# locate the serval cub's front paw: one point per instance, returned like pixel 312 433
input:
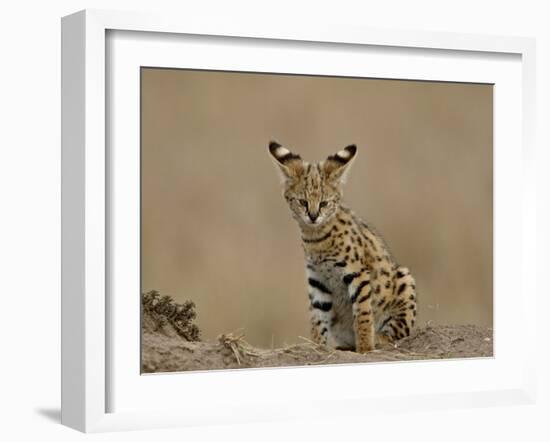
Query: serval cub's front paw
pixel 364 348
pixel 364 344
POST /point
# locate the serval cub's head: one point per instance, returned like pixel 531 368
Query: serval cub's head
pixel 312 191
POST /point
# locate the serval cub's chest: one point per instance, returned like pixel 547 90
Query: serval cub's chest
pixel 358 294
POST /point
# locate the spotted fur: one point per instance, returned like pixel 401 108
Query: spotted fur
pixel 358 294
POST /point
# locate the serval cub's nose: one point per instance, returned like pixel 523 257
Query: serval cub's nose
pixel 313 216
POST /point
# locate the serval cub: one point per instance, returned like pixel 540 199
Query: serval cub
pixel 359 295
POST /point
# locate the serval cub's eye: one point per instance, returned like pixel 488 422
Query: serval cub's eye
pixel 323 204
pixel 303 202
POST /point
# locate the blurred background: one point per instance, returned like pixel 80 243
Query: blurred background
pixel 216 230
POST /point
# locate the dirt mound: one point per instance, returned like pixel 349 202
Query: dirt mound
pixel 170 342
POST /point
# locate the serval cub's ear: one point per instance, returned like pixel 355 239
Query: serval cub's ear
pixel 290 165
pixel 337 166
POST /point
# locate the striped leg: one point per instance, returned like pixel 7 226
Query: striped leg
pixel 320 299
pixel 315 330
pixel 402 308
pixel 360 291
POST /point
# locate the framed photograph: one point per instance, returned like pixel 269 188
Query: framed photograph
pixel 252 211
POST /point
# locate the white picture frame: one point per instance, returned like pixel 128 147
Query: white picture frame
pixel 88 320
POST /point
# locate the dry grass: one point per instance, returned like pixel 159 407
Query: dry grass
pixel 162 311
